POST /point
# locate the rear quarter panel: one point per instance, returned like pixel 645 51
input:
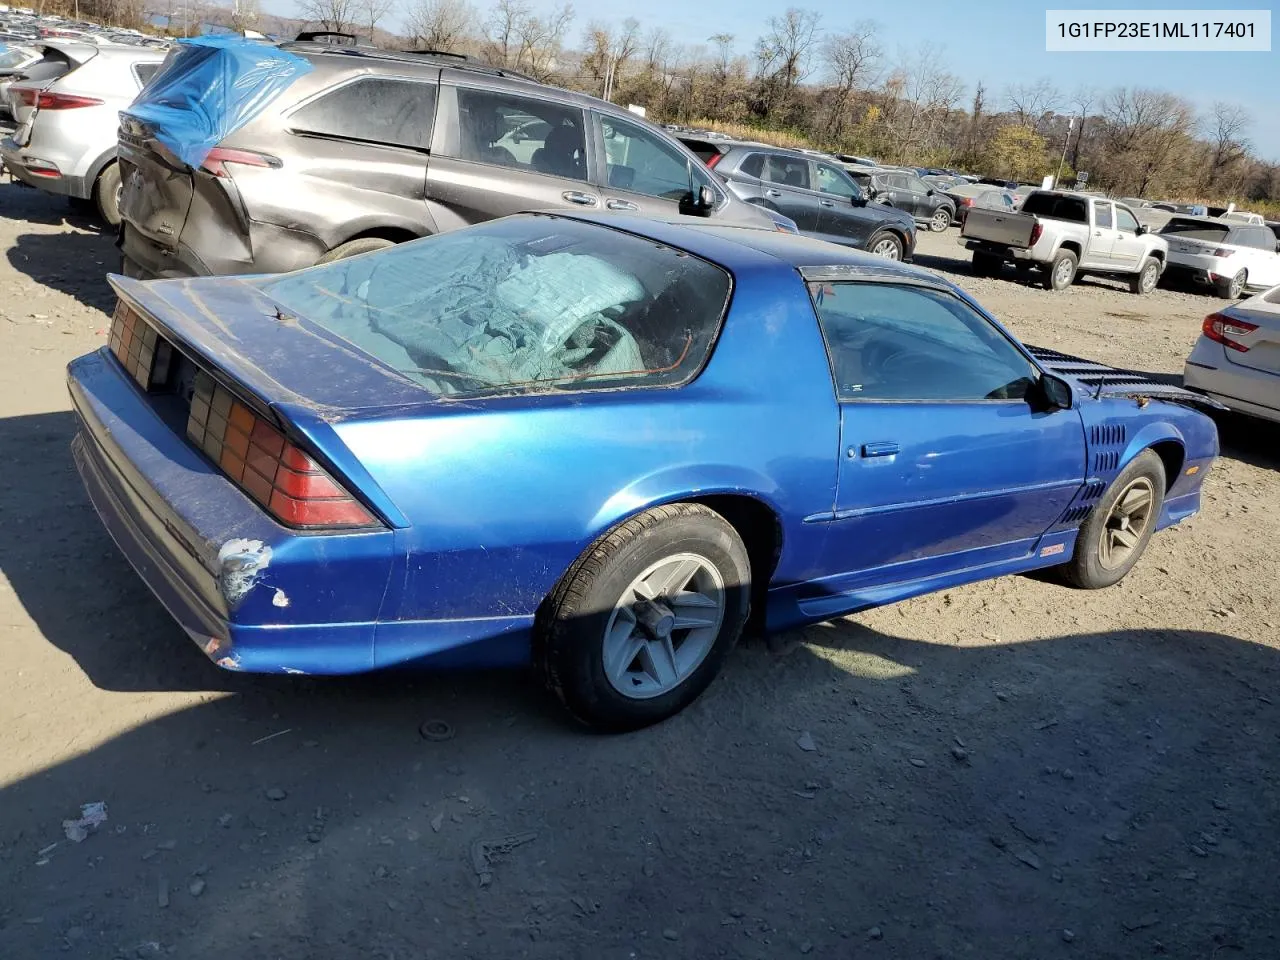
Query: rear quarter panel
pixel 504 494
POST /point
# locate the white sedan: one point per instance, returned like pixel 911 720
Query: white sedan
pixel 1231 257
pixel 1236 361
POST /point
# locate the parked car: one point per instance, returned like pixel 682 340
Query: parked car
pixel 928 205
pixel 66 143
pixel 355 149
pixel 1241 216
pixel 1229 256
pixel 1236 361
pixel 966 195
pixel 1066 235
pixel 854 160
pixel 820 196
pixel 13 60
pixel 527 445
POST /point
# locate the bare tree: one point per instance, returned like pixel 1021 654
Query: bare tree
pixel 372 12
pixel 441 24
pixel 1144 130
pixel 851 60
pixel 784 55
pixel 541 40
pixel 336 15
pixel 1030 102
pixel 918 97
pixel 1225 128
pixel 1081 102
pixel 608 52
pixel 245 14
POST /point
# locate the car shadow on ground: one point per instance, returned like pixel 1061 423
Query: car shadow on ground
pixel 962 801
pixel 20 202
pixel 962 264
pixel 72 263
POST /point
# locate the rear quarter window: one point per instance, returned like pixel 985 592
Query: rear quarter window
pixel 374 110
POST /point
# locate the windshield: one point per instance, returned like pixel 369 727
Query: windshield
pixel 12 57
pixel 521 305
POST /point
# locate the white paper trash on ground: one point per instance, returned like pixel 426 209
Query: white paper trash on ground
pixel 92 815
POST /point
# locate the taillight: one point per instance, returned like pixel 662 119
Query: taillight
pixel 966 202
pixel 265 465
pixel 1036 232
pixel 1221 329
pixel 140 350
pixel 27 96
pixel 1221 252
pixel 714 159
pixel 219 156
pixel 64 101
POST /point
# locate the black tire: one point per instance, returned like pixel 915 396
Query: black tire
pixel 884 240
pixel 106 195
pixel 1057 276
pixel 1087 568
pixel 985 265
pixel 570 626
pixel 1232 289
pixel 1145 280
pixel 353 248
pixel 940 220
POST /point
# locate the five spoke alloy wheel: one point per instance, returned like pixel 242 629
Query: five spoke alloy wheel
pixel 1126 527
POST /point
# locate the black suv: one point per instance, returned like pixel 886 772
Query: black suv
pixel 823 200
pixel 902 189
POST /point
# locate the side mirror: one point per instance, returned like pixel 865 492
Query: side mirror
pixel 1141 229
pixel 698 202
pixel 928 193
pixel 1056 392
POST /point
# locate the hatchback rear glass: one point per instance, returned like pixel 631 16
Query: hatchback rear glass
pixel 1196 230
pixel 520 305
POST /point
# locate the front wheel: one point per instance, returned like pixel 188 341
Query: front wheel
pixel 641 624
pixel 885 245
pixel 353 248
pixel 940 220
pixel 1144 281
pixel 1120 525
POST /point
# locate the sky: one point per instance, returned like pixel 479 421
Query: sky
pixel 996 42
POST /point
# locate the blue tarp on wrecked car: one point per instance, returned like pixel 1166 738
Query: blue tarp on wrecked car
pixel 209 88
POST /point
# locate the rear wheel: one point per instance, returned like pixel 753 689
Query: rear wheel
pixel 1144 281
pixel 1233 288
pixel 1120 525
pixel 642 623
pixel 353 248
pixel 1061 271
pixel 106 195
pixel 885 245
pixel 940 220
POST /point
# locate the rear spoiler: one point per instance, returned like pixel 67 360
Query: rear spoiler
pixel 1103 381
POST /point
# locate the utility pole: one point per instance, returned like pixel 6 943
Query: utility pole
pixel 1057 180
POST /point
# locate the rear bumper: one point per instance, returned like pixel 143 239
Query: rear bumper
pixel 1251 392
pixel 241 586
pixel 1189 273
pixel 18 161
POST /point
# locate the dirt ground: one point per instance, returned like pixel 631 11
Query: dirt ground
pixel 1011 769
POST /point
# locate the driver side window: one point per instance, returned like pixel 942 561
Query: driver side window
pixel 636 160
pixel 1126 221
pixel 906 343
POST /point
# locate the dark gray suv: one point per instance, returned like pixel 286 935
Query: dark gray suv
pixel 822 199
pixel 372 147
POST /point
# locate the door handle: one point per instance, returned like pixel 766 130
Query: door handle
pixel 620 205
pixel 826 203
pixel 773 193
pixel 886 449
pixel 580 198
pixel 1097 233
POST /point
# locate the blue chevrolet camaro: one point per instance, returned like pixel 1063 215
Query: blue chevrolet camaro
pixel 603 444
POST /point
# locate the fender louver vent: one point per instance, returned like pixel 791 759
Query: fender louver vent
pixel 1080 509
pixel 1106 462
pixel 1107 434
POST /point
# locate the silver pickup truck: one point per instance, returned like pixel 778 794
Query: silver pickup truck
pixel 1066 235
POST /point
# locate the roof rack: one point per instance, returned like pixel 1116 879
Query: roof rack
pixel 379 53
pixel 438 53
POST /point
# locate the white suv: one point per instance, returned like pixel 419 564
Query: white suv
pixel 68 118
pixel 1229 256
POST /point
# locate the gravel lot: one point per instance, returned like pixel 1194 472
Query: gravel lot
pixel 1011 769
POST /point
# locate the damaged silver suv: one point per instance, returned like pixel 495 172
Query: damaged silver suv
pixel 360 148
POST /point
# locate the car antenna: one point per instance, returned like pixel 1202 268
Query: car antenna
pixel 1101 380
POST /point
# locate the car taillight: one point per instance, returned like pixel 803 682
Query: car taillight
pixel 219 156
pixel 140 350
pixel 64 101
pixel 27 96
pixel 1036 232
pixel 1221 252
pixel 714 159
pixel 265 465
pixel 1221 329
pixel 966 202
